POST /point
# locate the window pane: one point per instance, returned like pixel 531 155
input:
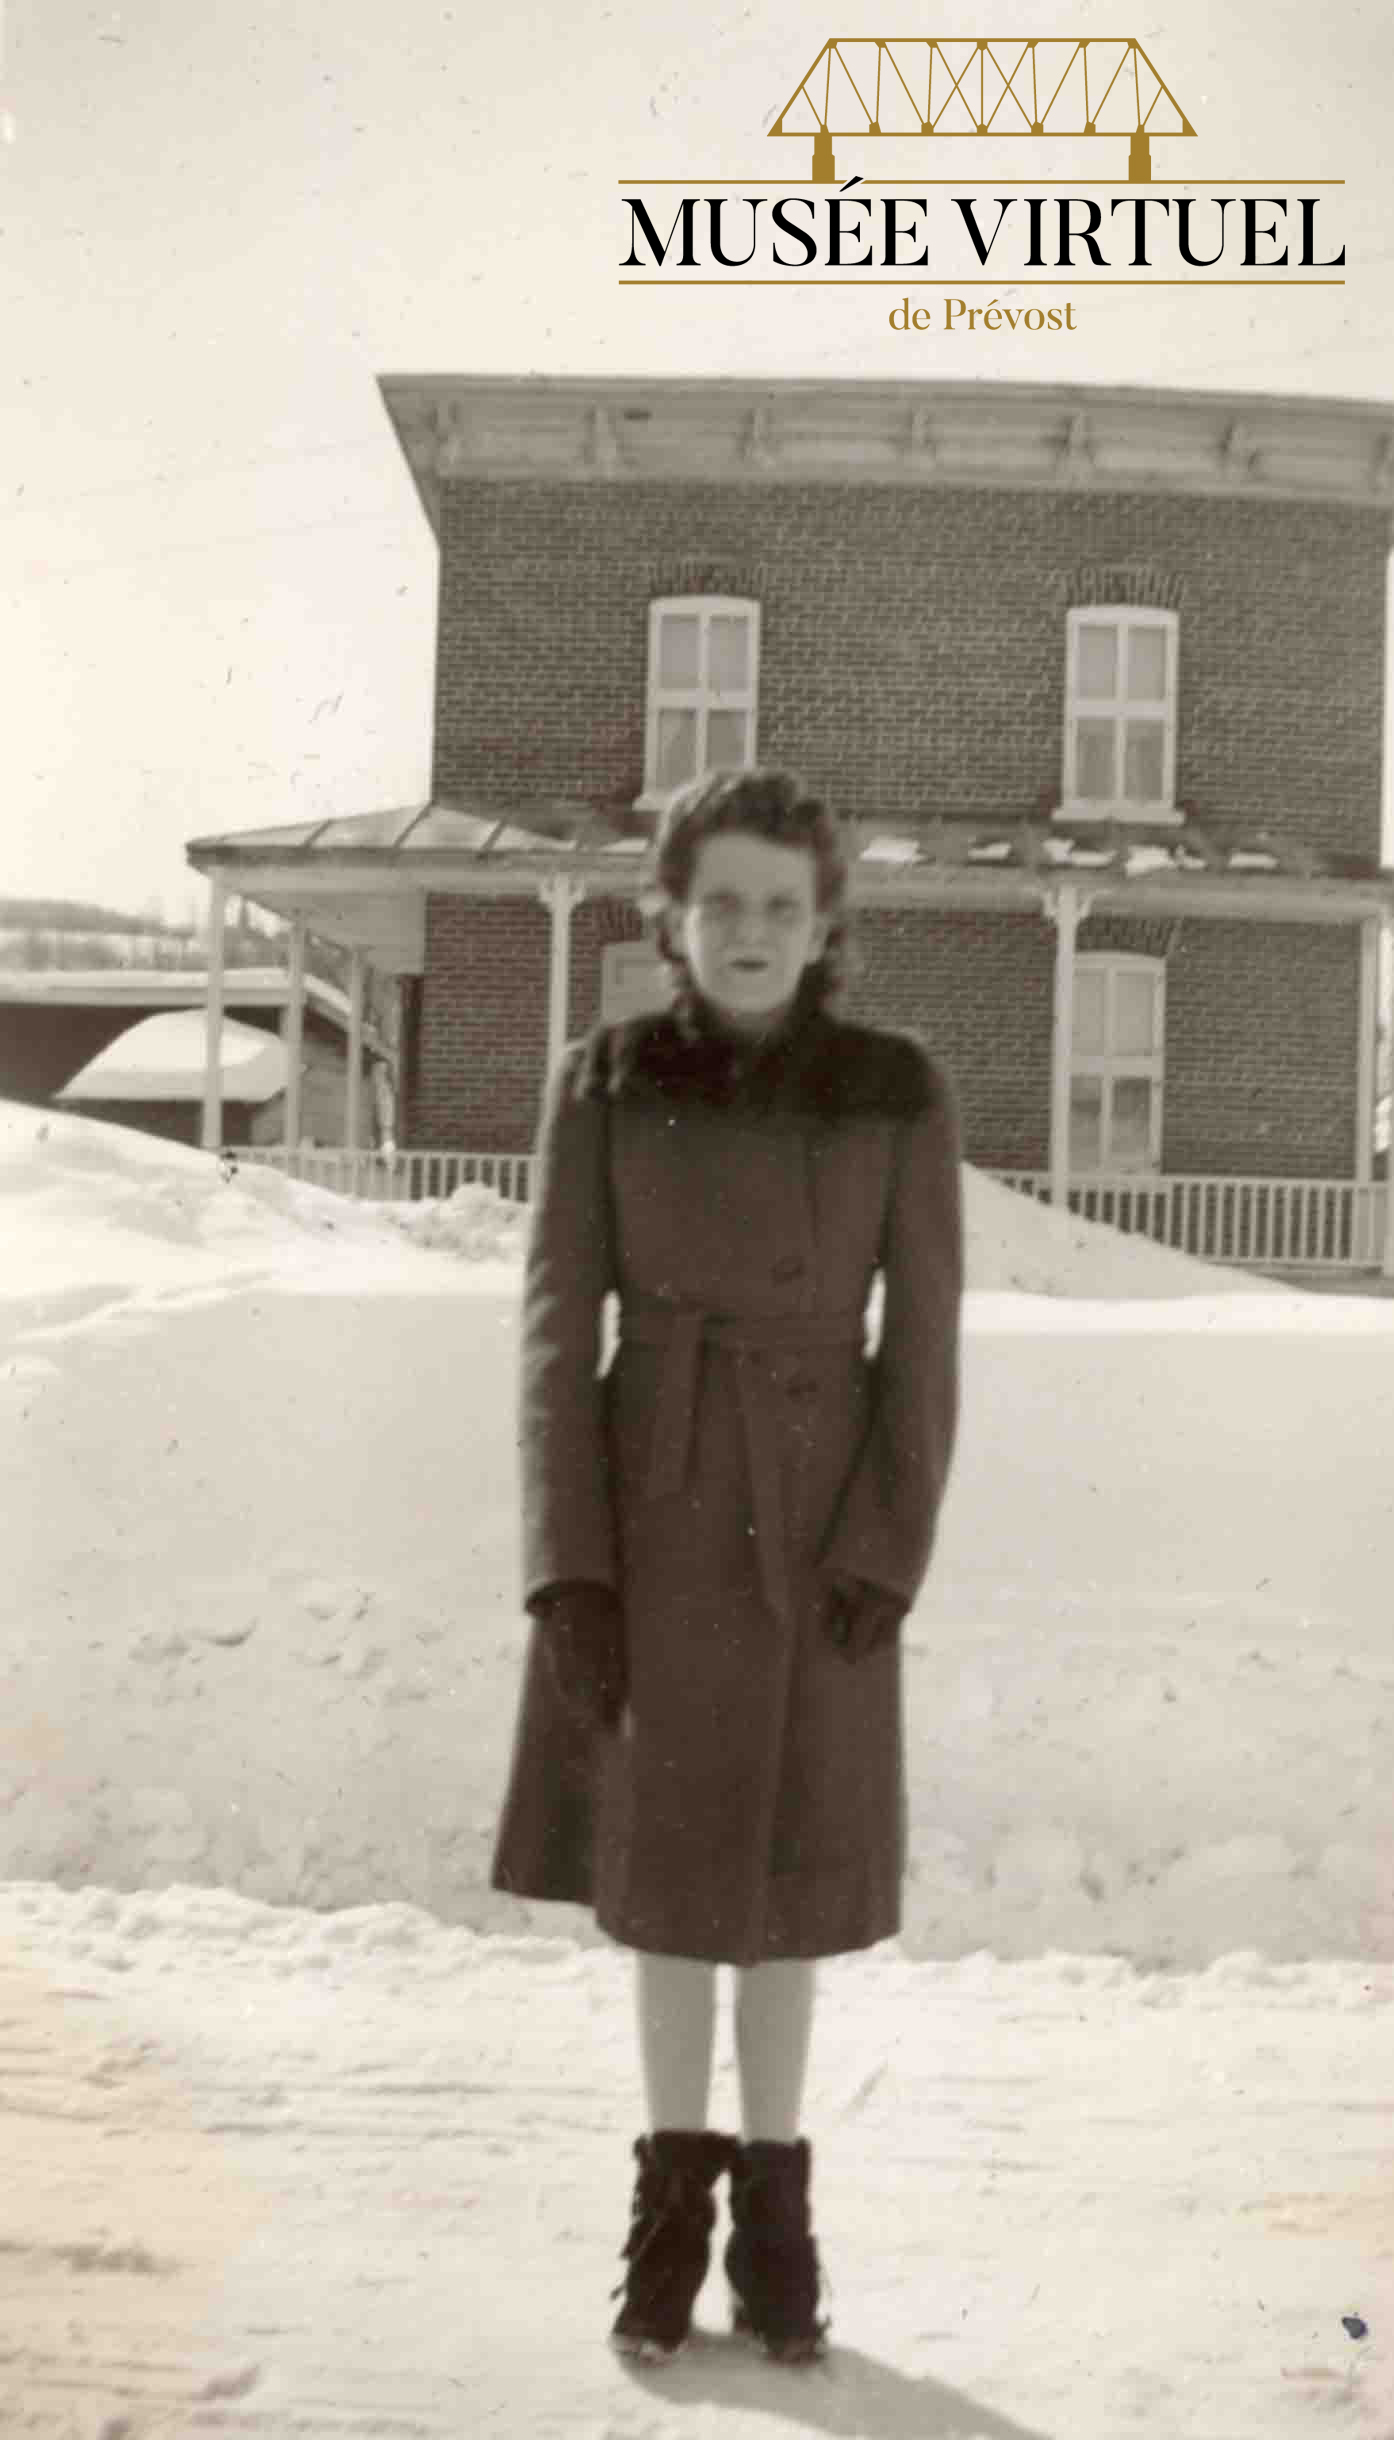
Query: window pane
pixel 1142 762
pixel 1147 664
pixel 677 748
pixel 1090 989
pixel 1134 1011
pixel 633 980
pixel 1130 1136
pixel 726 733
pixel 1097 664
pixel 728 656
pixel 677 650
pixel 1086 1121
pixel 1094 760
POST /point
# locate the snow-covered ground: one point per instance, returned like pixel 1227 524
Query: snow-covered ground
pixel 1104 2145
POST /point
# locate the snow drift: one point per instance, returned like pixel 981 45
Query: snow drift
pixel 260 1630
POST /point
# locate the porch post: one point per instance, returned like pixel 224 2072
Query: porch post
pixel 295 1030
pixel 212 1130
pixel 1063 908
pixel 561 896
pixel 353 1094
pixel 1363 1235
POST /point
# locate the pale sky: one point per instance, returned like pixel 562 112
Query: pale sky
pixel 219 225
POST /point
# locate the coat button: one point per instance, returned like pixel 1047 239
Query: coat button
pixel 803 1386
pixel 789 1266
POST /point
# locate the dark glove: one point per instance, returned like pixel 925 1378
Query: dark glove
pixel 583 1636
pixel 860 1617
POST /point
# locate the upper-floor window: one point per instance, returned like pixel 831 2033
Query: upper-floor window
pixel 1116 1064
pixel 704 655
pixel 1120 713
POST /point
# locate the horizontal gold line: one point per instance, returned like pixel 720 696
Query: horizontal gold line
pixel 1009 279
pixel 767 185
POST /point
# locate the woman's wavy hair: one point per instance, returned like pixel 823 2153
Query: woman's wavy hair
pixel 765 803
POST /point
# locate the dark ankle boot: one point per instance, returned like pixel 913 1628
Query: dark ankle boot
pixel 771 2259
pixel 669 2239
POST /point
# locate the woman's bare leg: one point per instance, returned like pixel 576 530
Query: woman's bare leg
pixel 676 1999
pixel 774 2020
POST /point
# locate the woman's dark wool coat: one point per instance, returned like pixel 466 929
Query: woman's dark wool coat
pixel 750 1804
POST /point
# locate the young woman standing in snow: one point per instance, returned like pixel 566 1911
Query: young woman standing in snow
pixel 723 1531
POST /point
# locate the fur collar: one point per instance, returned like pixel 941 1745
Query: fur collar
pixel 816 1066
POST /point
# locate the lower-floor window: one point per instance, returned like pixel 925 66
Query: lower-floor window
pixel 1116 1064
pixel 633 981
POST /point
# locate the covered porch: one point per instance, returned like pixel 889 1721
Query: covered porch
pixel 363 882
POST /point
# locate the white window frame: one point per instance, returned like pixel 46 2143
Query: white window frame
pixel 700 698
pixel 634 980
pixel 1120 616
pixel 1113 1065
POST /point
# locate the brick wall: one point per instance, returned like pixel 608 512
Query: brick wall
pixel 978 988
pixel 481 1028
pixel 1260 1026
pixel 913 641
pixel 912 663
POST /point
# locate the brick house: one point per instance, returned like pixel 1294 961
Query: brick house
pixel 1096 677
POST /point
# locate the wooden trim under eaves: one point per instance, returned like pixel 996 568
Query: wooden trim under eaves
pixel 1004 435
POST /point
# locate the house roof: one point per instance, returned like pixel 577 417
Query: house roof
pixel 366 877
pixel 161 987
pixel 1020 435
pixel 420 830
pixel 162 1059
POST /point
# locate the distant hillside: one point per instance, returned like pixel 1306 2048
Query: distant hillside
pixel 37 934
pixel 77 915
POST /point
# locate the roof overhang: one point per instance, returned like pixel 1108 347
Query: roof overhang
pixel 161 988
pixel 1013 435
pixel 354 884
pixel 382 914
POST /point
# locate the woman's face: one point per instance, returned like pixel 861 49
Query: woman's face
pixel 750 925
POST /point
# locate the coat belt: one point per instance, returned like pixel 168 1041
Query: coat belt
pixel 682 1331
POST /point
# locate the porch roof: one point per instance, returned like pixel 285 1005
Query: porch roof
pixel 363 879
pixel 419 841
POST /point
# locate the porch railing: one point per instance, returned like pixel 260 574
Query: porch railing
pixel 396 1177
pixel 1270 1223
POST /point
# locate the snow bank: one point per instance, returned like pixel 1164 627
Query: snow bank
pixel 83 1198
pixel 99 1216
pixel 1016 1245
pixel 261 1628
pixel 474 1224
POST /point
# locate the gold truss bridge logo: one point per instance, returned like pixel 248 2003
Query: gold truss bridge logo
pixel 920 86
